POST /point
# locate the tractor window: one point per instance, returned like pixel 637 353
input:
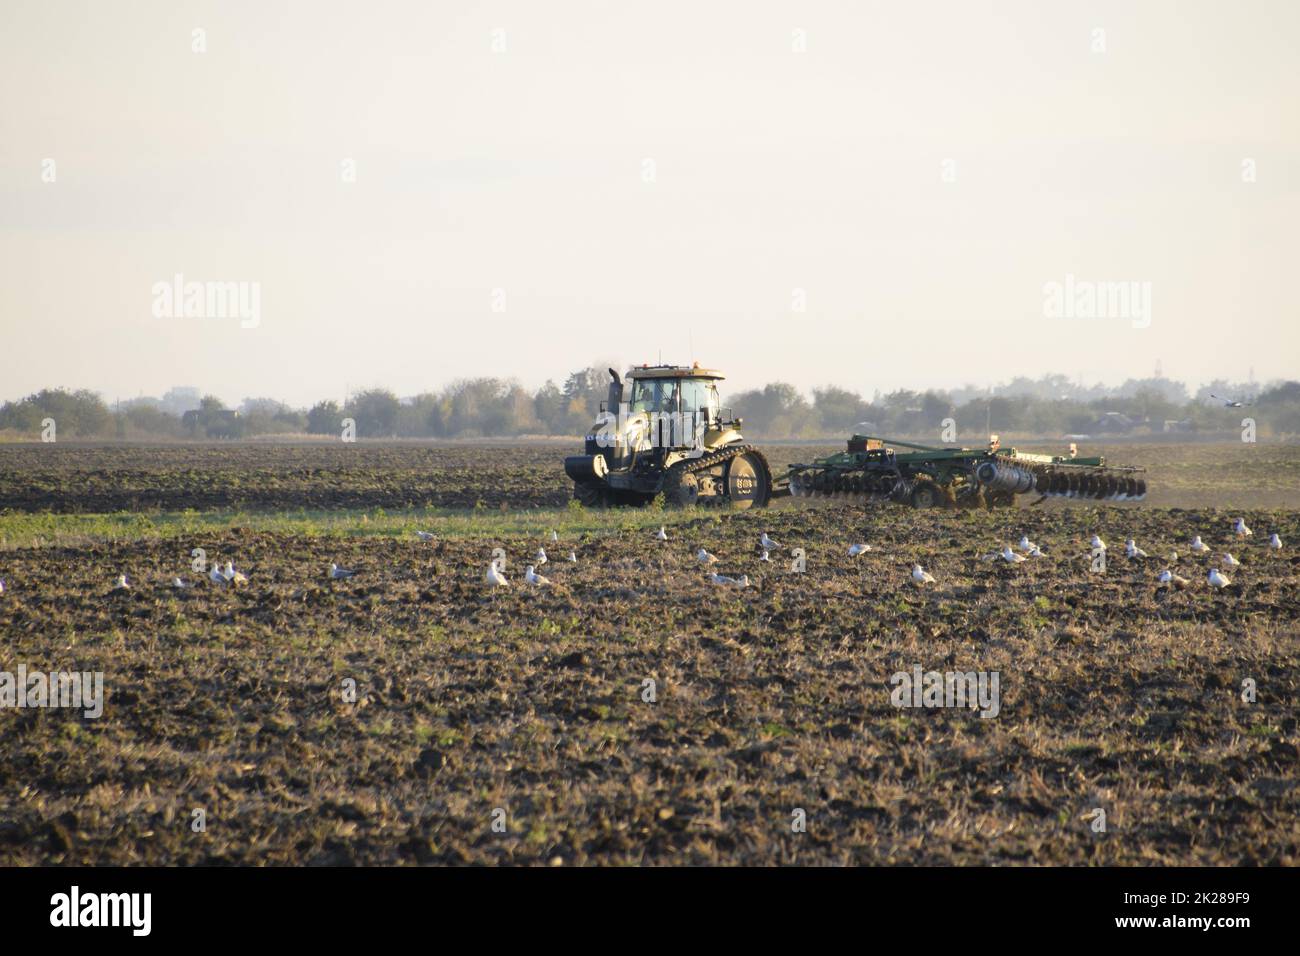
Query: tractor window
pixel 700 395
pixel 654 395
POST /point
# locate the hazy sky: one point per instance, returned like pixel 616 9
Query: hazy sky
pixel 525 170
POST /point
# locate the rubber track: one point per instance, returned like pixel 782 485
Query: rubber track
pixel 705 462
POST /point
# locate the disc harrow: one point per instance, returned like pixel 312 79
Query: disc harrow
pixel 873 471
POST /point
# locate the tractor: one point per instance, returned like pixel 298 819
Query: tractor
pixel 663 430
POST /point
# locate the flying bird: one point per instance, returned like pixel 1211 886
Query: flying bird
pixel 662 535
pixel 1241 529
pixel 1230 562
pixel 767 543
pixel 1131 549
pixel 1198 545
pixel 1218 580
pixel 858 549
pixel 336 572
pixel 1273 542
pixel 704 557
pixel 494 577
pixel 921 576
pixel 532 577
pixel 1231 402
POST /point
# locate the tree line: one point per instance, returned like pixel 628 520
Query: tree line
pixel 1050 406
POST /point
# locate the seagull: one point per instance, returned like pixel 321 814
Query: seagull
pixel 1198 546
pixel 764 557
pixel 1168 577
pixel 424 535
pixel 555 536
pixel 767 543
pixel 742 582
pixel 1097 543
pixel 493 576
pixel 573 557
pixel 532 577
pixel 1218 580
pixel 1131 549
pixel 233 576
pixel 1010 556
pixel 122 583
pixel 541 556
pixel 1230 562
pixel 1273 542
pixel 215 576
pixel 337 572
pixel 1036 552
pixel 1026 544
pixel 1241 529
pixel 1231 402
pixel 180 583
pixel 858 549
pixel 921 576
pixel 704 557
pixel 662 535
pixel 2 582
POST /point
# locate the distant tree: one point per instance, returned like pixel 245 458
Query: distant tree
pixel 375 411
pixel 325 418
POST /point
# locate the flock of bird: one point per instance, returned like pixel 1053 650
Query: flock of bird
pixel 1023 551
pixel 228 576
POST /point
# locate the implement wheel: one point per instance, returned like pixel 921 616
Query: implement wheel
pixel 926 494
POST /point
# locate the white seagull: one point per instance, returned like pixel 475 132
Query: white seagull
pixel 494 577
pixel 541 556
pixel 215 576
pixel 1241 529
pixel 1230 562
pixel 741 582
pixel 1168 577
pixel 704 557
pixel 1230 402
pixel 921 576
pixel 764 557
pixel 180 583
pixel 555 536
pixel 573 557
pixel 232 576
pixel 1218 580
pixel 1036 552
pixel 1198 545
pixel 2 582
pixel 424 535
pixel 1273 542
pixel 662 535
pixel 858 549
pixel 122 583
pixel 532 577
pixel 337 572
pixel 1010 556
pixel 767 543
pixel 1131 549
pixel 1026 544
pixel 1097 543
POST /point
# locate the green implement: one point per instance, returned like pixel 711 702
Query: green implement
pixel 872 469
